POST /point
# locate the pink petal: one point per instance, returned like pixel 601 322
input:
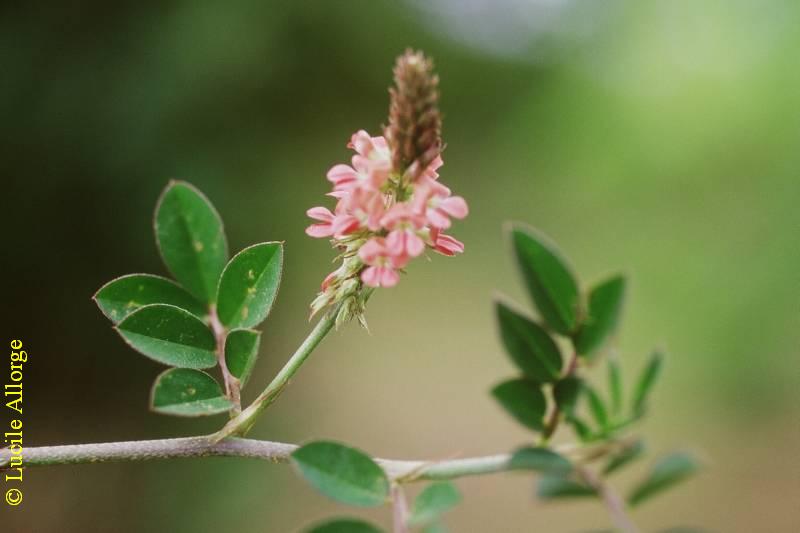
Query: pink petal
pixel 344 224
pixel 371 250
pixel 447 245
pixel 341 173
pixel 438 218
pixel 320 213
pixel 414 244
pixel 389 277
pixel 371 276
pixel 361 142
pixel 455 206
pixel 319 230
pixel 396 243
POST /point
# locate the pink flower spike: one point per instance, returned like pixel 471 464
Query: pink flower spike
pixel 325 227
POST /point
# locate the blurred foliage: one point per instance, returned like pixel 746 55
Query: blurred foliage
pixel 661 134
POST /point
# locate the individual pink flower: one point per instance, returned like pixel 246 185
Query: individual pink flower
pixel 445 244
pixel 383 264
pixel 324 228
pixel 370 166
pixel 403 224
pixel 372 147
pixel 434 201
pixel 360 208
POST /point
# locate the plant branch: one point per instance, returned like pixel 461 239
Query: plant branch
pixel 612 500
pixel 242 423
pixel 400 471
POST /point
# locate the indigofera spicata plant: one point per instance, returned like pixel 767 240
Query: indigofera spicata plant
pixel 390 207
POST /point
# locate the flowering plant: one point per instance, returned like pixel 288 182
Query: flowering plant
pixel 390 208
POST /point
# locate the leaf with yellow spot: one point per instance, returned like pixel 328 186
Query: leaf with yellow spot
pixel 188 392
pixel 249 284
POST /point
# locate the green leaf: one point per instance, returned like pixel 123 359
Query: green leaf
pixel 597 407
pixel 529 345
pixel 666 472
pixel 436 527
pixel 615 385
pixel 241 352
pixel 344 525
pixel 524 401
pixel 605 308
pixel 628 455
pixel 566 393
pixel 169 335
pixel 552 487
pixel 432 502
pixel 187 392
pixel 249 284
pixel 342 473
pixel 541 460
pixel 120 297
pixel 580 427
pixel 646 381
pixel 191 239
pixel 549 279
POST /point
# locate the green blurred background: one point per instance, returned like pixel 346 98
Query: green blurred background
pixel 659 138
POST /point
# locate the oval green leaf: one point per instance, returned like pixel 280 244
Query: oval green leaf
pixel 529 345
pixel 667 472
pixel 598 408
pixel 435 500
pixel 249 284
pixel 580 427
pixel 188 392
pixel 342 473
pixel 169 335
pixel 524 400
pixel 241 352
pixel 646 381
pixel 615 385
pixel 566 393
pixel 552 487
pixel 541 460
pixel 344 525
pixel 120 297
pixel 191 239
pixel 624 457
pixel 605 308
pixel 550 281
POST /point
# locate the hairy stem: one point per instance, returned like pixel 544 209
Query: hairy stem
pixel 242 423
pixel 232 384
pixel 400 471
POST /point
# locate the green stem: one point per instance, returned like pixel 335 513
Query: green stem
pixel 242 423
